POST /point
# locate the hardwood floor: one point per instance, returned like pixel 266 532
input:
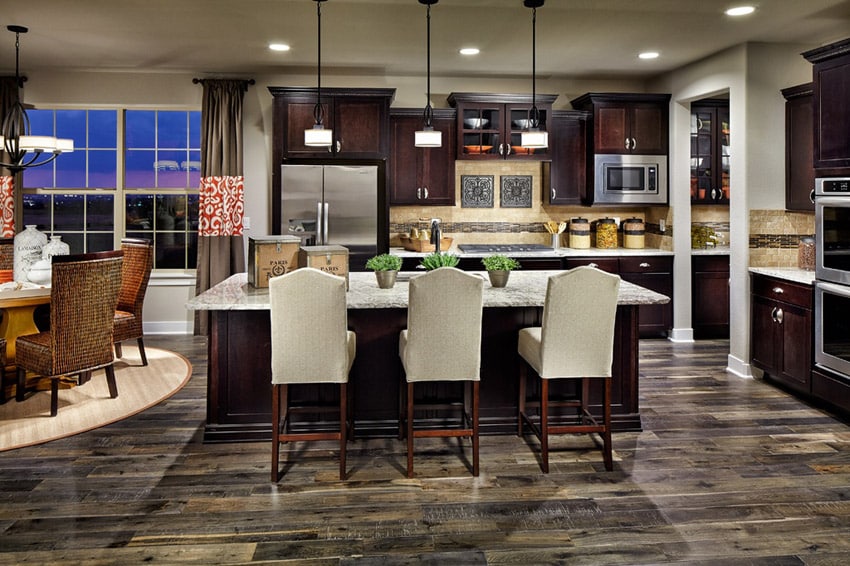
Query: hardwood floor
pixel 726 471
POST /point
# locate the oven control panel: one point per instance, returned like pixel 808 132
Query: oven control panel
pixel 832 186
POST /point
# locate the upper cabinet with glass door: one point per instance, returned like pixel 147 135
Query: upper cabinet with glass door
pixel 490 126
pixel 710 152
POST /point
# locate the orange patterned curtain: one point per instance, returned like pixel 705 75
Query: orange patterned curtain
pixel 221 250
pixel 7 206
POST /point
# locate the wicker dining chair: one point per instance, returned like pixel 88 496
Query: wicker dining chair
pixel 83 296
pixel 135 274
pixel 2 370
pixel 575 341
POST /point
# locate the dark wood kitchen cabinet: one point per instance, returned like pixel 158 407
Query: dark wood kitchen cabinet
pixel 489 126
pixel 565 176
pixel 359 119
pixel 626 123
pixel 799 151
pixel 781 331
pixel 710 296
pixel 421 175
pixel 710 152
pixel 831 78
pixel 652 272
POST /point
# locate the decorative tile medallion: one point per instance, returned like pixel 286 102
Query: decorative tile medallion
pixel 476 191
pixel 516 191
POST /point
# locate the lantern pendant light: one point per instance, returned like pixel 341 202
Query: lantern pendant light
pixel 318 135
pixel 428 136
pixel 533 136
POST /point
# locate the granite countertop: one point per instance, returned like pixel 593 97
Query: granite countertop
pixel 524 289
pixel 716 250
pixel 792 274
pixel 559 252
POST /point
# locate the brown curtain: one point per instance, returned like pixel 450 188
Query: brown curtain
pixel 9 94
pixel 220 245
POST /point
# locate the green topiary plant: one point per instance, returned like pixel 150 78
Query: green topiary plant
pixel 500 262
pixel 435 260
pixel 384 262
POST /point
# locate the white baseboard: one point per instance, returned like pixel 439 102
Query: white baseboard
pixel 681 335
pixel 739 367
pixel 168 327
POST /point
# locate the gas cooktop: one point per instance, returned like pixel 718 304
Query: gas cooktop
pixel 503 248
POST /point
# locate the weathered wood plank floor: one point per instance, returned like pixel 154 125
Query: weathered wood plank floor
pixel 726 471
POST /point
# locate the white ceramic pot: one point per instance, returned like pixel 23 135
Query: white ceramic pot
pixel 55 247
pixel 40 272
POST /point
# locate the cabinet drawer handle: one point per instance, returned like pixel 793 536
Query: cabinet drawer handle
pixel 426 192
pixel 596 265
pixel 778 290
pixel 644 264
pixel 779 315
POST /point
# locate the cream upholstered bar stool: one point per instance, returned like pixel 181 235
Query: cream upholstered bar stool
pixel 442 342
pixel 310 343
pixel 575 341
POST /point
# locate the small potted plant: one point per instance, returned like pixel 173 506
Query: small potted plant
pixel 386 268
pixel 435 260
pixel 498 268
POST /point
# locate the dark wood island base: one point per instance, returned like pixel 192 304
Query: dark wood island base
pixel 239 378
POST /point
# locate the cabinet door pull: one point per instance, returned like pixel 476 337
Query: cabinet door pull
pixel 627 143
pixel 338 146
pixel 812 196
pixel 554 193
pixel 501 149
pixel 778 290
pixel 419 193
pixel 634 144
pixel 779 315
pixel 508 150
pixel 596 265
pixel 644 264
pixel 426 192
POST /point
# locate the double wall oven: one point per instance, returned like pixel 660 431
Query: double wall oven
pixel 832 273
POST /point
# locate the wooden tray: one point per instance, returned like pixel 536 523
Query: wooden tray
pixel 424 246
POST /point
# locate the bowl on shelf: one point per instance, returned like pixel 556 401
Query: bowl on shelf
pixel 519 150
pixel 475 123
pixel 522 124
pixel 477 149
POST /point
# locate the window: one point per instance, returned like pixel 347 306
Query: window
pixel 133 172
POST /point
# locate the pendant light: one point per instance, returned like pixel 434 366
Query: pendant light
pixel 318 135
pixel 533 136
pixel 428 136
pixel 15 138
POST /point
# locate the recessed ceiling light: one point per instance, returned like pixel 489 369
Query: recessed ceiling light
pixel 648 55
pixel 470 51
pixel 740 10
pixel 278 47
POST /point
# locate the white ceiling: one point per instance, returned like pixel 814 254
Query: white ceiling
pixel 575 38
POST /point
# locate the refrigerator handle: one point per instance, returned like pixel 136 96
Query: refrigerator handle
pixel 325 226
pixel 318 222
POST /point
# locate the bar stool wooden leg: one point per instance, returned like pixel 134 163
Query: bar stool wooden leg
pixel 410 430
pixel 343 426
pixel 275 430
pixel 607 447
pixel 544 424
pixel 475 397
pixel 523 375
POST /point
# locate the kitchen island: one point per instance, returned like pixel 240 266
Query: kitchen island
pixel 239 375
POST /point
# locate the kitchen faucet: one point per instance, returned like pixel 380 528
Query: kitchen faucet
pixel 436 234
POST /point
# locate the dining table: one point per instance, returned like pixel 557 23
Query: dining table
pixel 17 305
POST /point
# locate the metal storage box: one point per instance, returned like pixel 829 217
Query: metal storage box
pixel 331 258
pixel 271 256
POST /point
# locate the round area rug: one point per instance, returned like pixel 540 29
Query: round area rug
pixel 89 406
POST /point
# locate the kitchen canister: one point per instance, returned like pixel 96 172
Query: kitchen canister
pixel 634 233
pixel 28 246
pixel 806 254
pixel 579 233
pixel 55 247
pixel 606 233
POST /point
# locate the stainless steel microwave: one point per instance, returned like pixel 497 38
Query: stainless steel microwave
pixel 630 179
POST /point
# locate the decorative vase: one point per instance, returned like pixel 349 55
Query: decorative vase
pixel 386 279
pixel 55 247
pixel 28 246
pixel 498 278
pixel 40 272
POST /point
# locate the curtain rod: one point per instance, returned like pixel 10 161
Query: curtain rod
pixel 246 81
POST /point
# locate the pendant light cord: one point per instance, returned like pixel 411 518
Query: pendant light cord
pixel 318 111
pixel 534 114
pixel 428 111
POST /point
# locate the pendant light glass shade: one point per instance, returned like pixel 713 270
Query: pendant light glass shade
pixel 428 136
pixel 533 137
pixel 25 150
pixel 318 135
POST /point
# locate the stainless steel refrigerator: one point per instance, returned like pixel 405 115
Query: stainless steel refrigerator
pixel 337 202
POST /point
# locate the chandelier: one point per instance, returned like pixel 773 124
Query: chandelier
pixel 25 150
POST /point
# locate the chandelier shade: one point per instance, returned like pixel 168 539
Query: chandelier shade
pixel 428 136
pixel 318 135
pixel 533 137
pixel 22 149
